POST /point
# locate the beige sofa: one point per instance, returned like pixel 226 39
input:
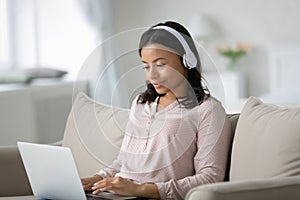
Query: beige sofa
pixel 265 156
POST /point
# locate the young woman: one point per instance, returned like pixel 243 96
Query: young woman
pixel 178 135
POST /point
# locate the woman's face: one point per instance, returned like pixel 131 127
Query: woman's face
pixel 164 70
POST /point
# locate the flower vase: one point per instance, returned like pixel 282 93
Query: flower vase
pixel 231 65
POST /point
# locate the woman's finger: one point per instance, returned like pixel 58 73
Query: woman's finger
pixel 101 186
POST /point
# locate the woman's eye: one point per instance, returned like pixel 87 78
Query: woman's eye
pixel 146 67
pixel 160 65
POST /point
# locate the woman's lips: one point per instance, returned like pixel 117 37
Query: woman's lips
pixel 158 84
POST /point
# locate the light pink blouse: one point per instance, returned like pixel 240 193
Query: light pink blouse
pixel 175 148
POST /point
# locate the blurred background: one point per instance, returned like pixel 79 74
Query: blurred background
pixel 52 49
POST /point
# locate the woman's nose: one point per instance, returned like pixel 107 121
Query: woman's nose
pixel 153 73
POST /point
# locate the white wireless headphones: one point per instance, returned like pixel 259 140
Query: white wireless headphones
pixel 189 58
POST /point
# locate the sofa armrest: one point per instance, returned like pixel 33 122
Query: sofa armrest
pixel 13 177
pixel 260 189
pixel 58 143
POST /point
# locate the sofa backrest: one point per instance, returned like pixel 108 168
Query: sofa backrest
pixel 233 118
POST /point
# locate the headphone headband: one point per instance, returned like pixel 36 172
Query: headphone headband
pixel 189 58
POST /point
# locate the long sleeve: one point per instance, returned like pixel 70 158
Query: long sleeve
pixel 111 170
pixel 213 139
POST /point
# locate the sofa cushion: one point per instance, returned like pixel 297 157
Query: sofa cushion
pixel 94 132
pixel 266 142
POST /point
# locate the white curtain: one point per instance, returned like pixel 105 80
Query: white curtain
pixel 60 34
pixel 101 64
pixel 47 33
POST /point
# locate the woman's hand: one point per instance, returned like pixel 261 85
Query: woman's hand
pixel 117 185
pixel 89 182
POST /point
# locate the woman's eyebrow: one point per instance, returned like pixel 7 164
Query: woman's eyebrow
pixel 155 60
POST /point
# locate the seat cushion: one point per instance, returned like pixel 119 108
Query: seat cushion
pixel 94 132
pixel 266 142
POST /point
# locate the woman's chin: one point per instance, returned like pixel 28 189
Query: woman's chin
pixel 161 91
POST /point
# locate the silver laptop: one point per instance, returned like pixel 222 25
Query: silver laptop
pixel 52 173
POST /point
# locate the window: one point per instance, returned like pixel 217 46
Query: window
pixel 4 47
pixel 48 33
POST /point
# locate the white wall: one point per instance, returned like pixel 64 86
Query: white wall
pixel 262 23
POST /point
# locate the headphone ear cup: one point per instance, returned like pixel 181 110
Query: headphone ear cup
pixel 189 60
pixel 185 63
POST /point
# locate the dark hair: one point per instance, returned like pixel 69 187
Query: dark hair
pixel 163 37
